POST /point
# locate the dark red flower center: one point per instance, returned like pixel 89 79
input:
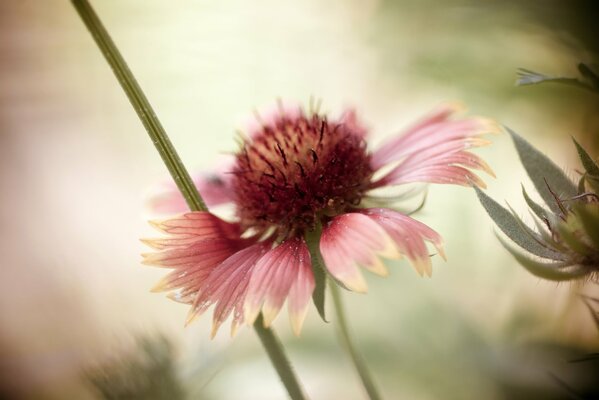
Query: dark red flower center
pixel 298 169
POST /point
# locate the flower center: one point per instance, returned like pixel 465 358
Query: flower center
pixel 297 169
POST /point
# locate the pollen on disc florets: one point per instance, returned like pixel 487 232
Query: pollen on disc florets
pixel 298 168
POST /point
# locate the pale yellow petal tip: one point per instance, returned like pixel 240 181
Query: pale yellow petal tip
pixel 455 106
pixel 191 316
pixel 480 183
pixel 250 313
pixel 149 259
pixel 487 125
pixel 149 243
pixel 269 314
pixel 489 171
pixel 441 251
pixel 156 225
pixel 377 267
pixel 423 266
pixel 357 285
pixel 161 286
pixel 390 250
pixel 234 329
pixel 214 331
pixel 297 322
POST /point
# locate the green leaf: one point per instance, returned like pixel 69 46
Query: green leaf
pixel 587 162
pixel 543 172
pixel 536 208
pixel 593 182
pixel 573 241
pixel 547 270
pixel 590 222
pixel 513 227
pixel 318 270
pixel 581 187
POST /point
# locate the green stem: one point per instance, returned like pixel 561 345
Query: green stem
pixel 274 349
pixel 358 361
pixel 176 168
pixel 141 105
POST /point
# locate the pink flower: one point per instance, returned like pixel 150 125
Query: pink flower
pixel 297 172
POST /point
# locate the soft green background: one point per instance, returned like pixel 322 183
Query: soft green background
pixel 75 164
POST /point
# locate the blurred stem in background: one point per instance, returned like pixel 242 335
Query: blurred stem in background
pixel 177 170
pixel 358 361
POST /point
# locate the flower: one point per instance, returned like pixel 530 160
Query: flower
pixel 297 173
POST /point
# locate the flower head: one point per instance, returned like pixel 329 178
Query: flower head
pixel 297 173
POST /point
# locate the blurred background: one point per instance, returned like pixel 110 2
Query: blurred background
pixel 76 165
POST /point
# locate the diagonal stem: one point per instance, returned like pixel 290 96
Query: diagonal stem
pixel 344 335
pixel 274 349
pixel 141 105
pixel 177 170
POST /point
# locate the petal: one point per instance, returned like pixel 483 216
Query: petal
pixel 353 239
pixel 434 151
pixel 301 290
pixel 198 224
pixel 272 278
pixel 215 187
pixel 444 174
pixel 409 235
pixel 226 287
pixel 432 131
pixel 197 243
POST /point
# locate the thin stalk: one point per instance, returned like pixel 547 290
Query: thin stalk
pixel 274 349
pixel 177 170
pixel 344 335
pixel 141 105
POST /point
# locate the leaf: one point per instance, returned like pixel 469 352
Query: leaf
pixel 581 187
pixel 590 222
pixel 536 208
pixel 319 272
pixel 593 182
pixel 528 77
pixel 513 227
pixel 547 270
pixel 587 162
pixel 574 242
pixel 543 172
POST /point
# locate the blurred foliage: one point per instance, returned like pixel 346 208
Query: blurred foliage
pixel 589 78
pixel 149 372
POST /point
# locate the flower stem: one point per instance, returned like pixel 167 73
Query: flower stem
pixel 358 361
pixel 177 170
pixel 141 105
pixel 279 360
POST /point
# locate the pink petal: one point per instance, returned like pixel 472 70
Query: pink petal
pixel 409 235
pixel 197 243
pixel 353 239
pixel 430 133
pixel 215 188
pixel 226 287
pixel 443 174
pixel 273 277
pixel 300 293
pixel 433 151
